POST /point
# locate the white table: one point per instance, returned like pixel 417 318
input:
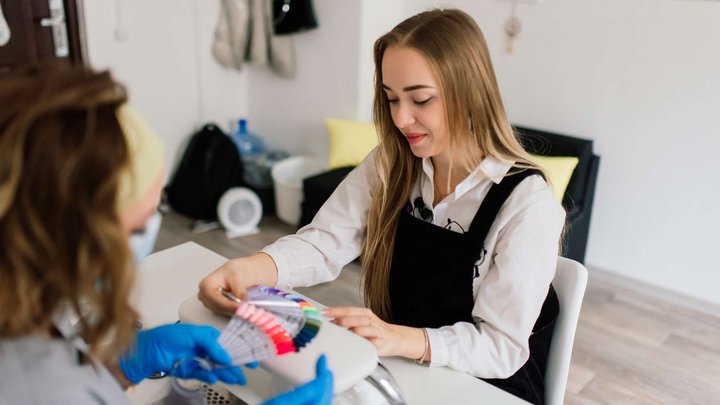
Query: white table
pixel 166 279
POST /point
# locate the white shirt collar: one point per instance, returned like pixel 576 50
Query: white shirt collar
pixel 491 168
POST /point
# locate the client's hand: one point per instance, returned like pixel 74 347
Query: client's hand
pixel 317 392
pixel 236 276
pixel 388 338
pixel 173 348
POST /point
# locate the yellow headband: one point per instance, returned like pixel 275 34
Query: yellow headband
pixel 146 157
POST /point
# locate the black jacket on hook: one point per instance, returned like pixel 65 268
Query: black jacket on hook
pixel 292 16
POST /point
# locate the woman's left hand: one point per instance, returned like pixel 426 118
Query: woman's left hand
pixel 389 339
pixel 173 348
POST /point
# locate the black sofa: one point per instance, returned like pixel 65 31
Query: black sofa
pixel 578 199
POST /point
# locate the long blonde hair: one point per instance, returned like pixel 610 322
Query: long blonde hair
pixel 61 155
pixel 455 48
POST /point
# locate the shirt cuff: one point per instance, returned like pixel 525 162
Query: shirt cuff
pixel 283 272
pixel 438 347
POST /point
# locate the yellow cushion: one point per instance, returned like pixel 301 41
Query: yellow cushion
pixel 350 141
pixel 558 169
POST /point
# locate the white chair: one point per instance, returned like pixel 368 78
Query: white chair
pixel 570 282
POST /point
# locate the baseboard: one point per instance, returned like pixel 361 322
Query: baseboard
pixel 654 291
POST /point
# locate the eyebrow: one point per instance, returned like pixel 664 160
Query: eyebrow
pixel 410 88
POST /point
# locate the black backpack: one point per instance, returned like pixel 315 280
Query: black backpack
pixel 210 166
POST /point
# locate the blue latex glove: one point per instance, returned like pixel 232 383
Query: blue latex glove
pixel 172 348
pixel 317 392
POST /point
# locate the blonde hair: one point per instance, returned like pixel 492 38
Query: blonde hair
pixel 62 152
pixel 455 48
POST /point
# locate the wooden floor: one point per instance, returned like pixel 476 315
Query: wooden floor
pixel 631 347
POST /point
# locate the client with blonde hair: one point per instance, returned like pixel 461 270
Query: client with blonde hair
pixel 456 229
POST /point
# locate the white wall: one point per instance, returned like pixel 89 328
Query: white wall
pixel 641 79
pixel 166 64
pixel 378 17
pixel 334 76
pixel 288 113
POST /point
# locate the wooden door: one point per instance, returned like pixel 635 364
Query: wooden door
pixel 40 30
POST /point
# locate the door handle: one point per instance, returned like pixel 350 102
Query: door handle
pixel 4 29
pixel 52 21
pixel 56 22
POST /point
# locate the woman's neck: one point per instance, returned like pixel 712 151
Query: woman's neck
pixel 442 162
pixel 444 181
pixel 449 170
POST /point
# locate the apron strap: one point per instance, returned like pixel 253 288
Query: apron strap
pixel 494 200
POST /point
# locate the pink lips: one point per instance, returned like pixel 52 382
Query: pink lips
pixel 414 138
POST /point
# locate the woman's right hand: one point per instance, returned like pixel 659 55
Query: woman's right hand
pixel 316 392
pixel 236 276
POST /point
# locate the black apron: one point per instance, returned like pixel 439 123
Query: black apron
pixel 431 284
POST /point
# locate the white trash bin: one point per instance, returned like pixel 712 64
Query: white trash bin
pixel 288 175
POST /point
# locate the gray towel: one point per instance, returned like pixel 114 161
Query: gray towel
pixel 244 33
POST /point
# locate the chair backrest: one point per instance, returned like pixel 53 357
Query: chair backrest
pixel 570 282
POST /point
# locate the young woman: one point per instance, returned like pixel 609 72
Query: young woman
pixel 457 229
pixel 80 181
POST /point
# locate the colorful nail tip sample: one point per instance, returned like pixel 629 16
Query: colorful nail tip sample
pixel 272 322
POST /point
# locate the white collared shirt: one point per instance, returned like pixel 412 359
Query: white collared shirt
pixel 513 276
